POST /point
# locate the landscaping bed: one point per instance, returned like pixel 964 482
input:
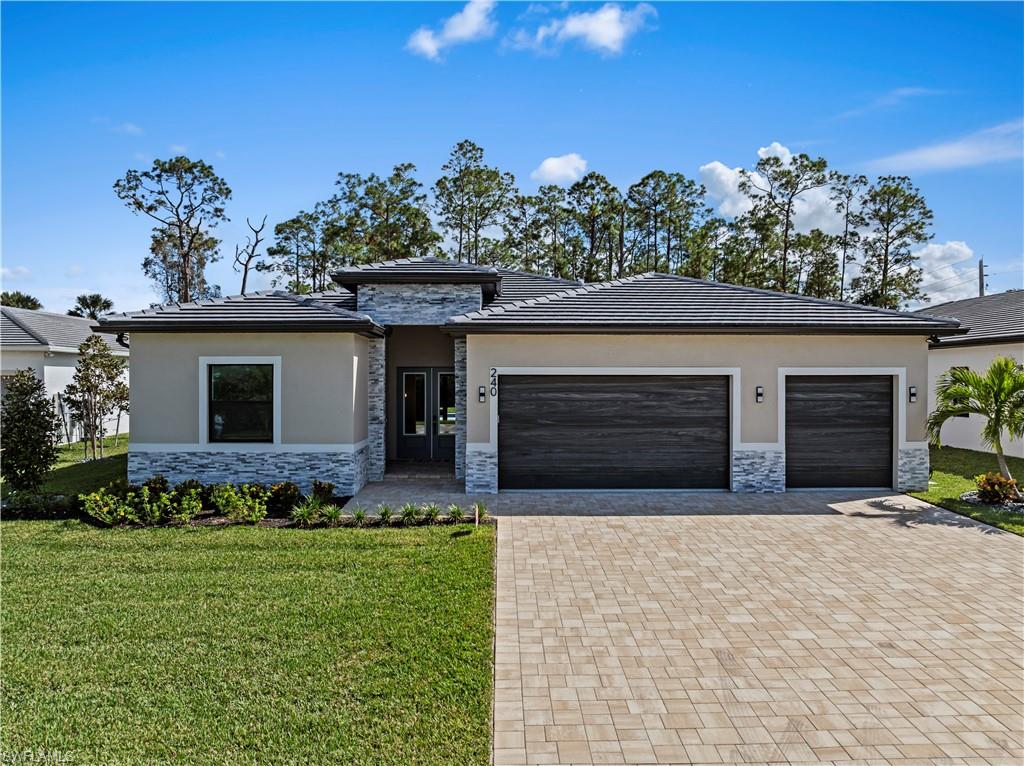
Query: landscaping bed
pixel 244 645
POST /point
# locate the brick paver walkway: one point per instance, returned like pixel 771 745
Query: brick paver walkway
pixel 802 628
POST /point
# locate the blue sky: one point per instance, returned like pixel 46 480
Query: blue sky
pixel 281 97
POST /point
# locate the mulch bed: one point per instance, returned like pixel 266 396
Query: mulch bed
pixel 1010 505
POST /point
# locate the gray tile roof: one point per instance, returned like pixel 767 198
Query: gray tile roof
pixel 997 318
pixel 272 311
pixel 521 285
pixel 664 303
pixel 25 328
pixel 416 270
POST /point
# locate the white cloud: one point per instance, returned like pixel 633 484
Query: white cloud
pixel 996 144
pixel 893 98
pixel 473 22
pixel 220 154
pixel 605 30
pixel 178 148
pixel 775 149
pixel 73 270
pixel 950 272
pixel 15 273
pixel 129 129
pixel 563 169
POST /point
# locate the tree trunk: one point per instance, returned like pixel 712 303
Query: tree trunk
pixel 1004 469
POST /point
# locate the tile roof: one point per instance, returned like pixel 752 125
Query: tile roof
pixel 27 328
pixel 666 303
pixel 272 310
pixel 522 285
pixel 994 318
pixel 416 270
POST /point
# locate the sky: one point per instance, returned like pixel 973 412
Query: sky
pixel 280 98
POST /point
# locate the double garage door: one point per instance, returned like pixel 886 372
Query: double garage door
pixel 673 432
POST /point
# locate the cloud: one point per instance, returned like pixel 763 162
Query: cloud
pixel 128 128
pixel 178 148
pixel 605 30
pixel 73 270
pixel 15 273
pixel 814 210
pixel 563 169
pixel 999 143
pixel 950 272
pixel 889 100
pixel 473 22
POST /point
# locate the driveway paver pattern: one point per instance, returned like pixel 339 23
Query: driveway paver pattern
pixel 727 629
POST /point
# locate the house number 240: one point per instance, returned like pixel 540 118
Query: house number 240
pixel 494 381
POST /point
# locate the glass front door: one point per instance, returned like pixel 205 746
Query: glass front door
pixel 426 414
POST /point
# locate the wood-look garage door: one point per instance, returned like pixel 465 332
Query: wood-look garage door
pixel 613 432
pixel 839 431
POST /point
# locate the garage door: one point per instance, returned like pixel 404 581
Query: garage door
pixel 839 431
pixel 613 432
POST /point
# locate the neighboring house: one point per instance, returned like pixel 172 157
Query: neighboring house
pixel 996 325
pixel 48 344
pixel 520 381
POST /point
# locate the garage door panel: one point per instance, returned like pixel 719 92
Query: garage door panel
pixel 613 432
pixel 839 431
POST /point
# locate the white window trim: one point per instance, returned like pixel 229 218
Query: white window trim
pixel 204 404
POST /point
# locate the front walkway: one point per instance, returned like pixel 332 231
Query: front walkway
pixel 801 628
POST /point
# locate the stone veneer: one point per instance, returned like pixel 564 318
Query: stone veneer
pixel 758 471
pixel 346 470
pixel 376 412
pixel 417 304
pixel 460 407
pixel 912 468
pixel 481 469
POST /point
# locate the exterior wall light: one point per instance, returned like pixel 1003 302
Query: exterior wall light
pixel 759 394
pixel 481 394
pixel 912 391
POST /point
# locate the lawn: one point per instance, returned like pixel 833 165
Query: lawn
pixel 953 472
pixel 70 476
pixel 242 645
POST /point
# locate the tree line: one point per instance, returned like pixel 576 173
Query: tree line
pixel 590 231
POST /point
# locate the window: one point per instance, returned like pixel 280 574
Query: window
pixel 414 404
pixel 241 402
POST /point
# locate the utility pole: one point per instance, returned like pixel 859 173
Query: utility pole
pixel 981 277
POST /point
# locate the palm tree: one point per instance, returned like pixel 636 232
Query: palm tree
pixel 91 305
pixel 998 396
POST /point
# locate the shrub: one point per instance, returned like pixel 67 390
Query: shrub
pixel 186 505
pixel 994 488
pixel 226 500
pixel 358 516
pixel 479 512
pixel 410 514
pixel 455 514
pixel 331 514
pixel 323 490
pixel 108 507
pixel 283 497
pixel 38 505
pixel 307 513
pixel 254 503
pixel 157 484
pixel 188 485
pixel 431 513
pixel 150 507
pixel 30 429
pixel 384 514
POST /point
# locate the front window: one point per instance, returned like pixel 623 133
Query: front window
pixel 241 402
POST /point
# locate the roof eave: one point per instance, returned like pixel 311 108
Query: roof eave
pixel 353 279
pixel 461 328
pixel 957 342
pixel 370 329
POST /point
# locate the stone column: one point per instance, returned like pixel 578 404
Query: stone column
pixel 758 470
pixel 460 408
pixel 913 468
pixel 376 408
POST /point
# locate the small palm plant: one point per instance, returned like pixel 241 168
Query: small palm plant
pixel 410 514
pixel 455 514
pixel 384 514
pixel 431 513
pixel 997 395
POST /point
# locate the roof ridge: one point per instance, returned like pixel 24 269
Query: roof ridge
pixel 378 265
pixel 312 300
pixel 1003 294
pixel 779 293
pixel 42 341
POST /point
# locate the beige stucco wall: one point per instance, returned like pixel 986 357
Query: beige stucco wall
pixel 963 432
pixel 321 375
pixel 758 356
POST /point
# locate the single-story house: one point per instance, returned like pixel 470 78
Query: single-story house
pixel 48 344
pixel 996 325
pixel 520 381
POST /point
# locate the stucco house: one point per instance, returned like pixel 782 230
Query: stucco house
pixel 48 344
pixel 520 381
pixel 996 325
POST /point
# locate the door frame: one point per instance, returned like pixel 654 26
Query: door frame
pixel 432 451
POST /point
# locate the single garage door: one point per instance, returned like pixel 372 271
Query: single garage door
pixel 839 431
pixel 613 432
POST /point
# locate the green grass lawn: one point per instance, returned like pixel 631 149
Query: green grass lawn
pixel 242 645
pixel 953 472
pixel 71 476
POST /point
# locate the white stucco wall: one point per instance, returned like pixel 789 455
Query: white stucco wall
pixel 963 432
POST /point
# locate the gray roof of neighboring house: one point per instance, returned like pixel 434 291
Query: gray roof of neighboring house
pixel 664 303
pixel 271 311
pixel 27 328
pixel 997 318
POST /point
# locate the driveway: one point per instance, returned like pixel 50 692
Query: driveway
pixel 801 628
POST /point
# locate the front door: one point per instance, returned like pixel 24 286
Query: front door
pixel 426 414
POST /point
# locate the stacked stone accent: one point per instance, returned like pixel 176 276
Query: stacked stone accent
pixel 376 410
pixel 758 471
pixel 460 408
pixel 417 304
pixel 481 470
pixel 346 470
pixel 912 469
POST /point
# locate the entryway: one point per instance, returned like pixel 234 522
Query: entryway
pixel 426 414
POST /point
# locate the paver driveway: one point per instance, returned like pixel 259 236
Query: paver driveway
pixel 879 630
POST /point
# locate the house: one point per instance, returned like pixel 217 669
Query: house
pixel 48 344
pixel 996 329
pixel 519 381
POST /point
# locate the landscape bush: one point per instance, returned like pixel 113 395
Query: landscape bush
pixel 307 513
pixel 323 490
pixel 25 504
pixel 410 514
pixel 455 514
pixel 995 488
pixel 331 515
pixel 431 513
pixel 253 507
pixel 384 514
pixel 284 496
pixel 359 516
